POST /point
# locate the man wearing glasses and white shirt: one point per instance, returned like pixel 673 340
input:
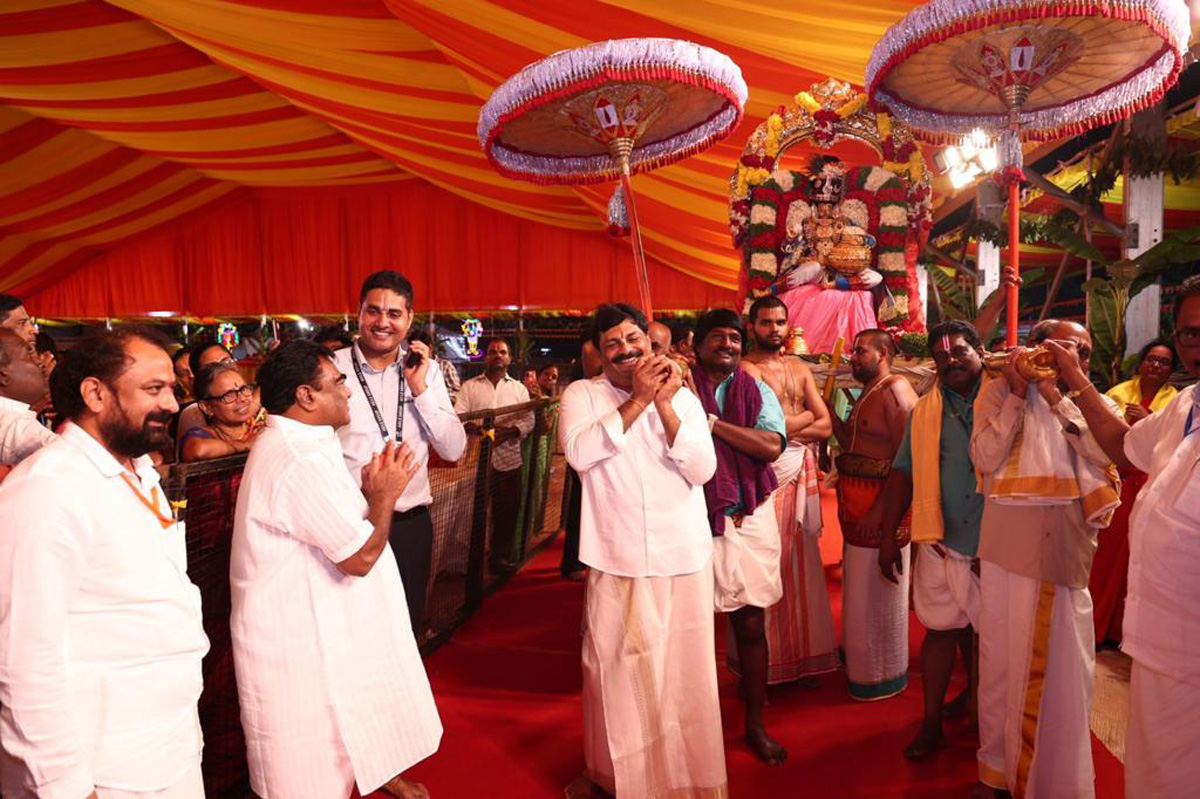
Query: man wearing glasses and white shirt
pixel 397 394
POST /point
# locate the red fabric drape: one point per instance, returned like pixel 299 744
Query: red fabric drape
pixel 305 251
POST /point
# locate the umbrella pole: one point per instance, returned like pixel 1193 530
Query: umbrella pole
pixel 639 254
pixel 1014 258
pixel 621 149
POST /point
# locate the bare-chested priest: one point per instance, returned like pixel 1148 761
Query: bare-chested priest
pixel 874 611
pixel 801 639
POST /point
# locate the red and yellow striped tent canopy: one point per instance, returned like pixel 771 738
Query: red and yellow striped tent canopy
pixel 239 157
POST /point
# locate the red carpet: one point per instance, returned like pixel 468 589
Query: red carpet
pixel 508 688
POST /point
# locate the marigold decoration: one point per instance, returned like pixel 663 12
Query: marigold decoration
pixel 1026 69
pixel 609 110
pixel 891 203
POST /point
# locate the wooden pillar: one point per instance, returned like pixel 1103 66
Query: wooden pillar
pixel 1143 208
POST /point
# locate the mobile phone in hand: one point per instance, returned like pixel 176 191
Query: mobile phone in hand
pixel 412 360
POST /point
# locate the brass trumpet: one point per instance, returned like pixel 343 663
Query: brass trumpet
pixel 1037 363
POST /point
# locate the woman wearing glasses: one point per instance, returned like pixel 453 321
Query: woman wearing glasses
pixel 229 409
pixel 1145 393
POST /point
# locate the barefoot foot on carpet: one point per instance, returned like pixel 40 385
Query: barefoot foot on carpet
pixel 767 748
pixel 406 789
pixel 928 740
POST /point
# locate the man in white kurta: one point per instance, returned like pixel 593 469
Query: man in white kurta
pixel 101 627
pixel 652 723
pixel 332 689
pixel 22 383
pixel 1162 610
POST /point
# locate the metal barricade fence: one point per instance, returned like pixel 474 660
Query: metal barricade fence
pixel 467 496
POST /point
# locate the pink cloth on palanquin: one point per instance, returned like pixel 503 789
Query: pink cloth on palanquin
pixel 825 314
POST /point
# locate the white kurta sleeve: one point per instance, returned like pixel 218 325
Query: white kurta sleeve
pixel 322 511
pixel 21 435
pixel 1144 436
pixel 587 438
pixel 996 419
pixel 42 562
pixel 693 452
pixel 445 431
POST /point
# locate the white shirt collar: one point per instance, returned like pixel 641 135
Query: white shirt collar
pixel 366 365
pixel 300 430
pixel 99 455
pixel 7 404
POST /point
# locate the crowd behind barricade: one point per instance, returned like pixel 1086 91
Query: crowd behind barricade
pixel 1027 517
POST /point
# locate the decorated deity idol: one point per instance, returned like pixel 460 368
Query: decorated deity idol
pixel 838 244
pixel 826 247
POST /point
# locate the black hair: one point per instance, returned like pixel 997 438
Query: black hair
pixel 294 364
pixel 1158 342
pixel 881 339
pixel 719 317
pixel 679 332
pixel 334 333
pixel 8 304
pixel 1187 289
pixel 610 315
pixel 102 354
pixel 387 279
pixel 183 352
pixel 954 327
pixel 44 342
pixel 764 302
pixel 202 384
pixel 547 366
pixel 198 352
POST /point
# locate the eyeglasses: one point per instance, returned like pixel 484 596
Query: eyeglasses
pixel 1157 360
pixel 232 395
pixel 1188 336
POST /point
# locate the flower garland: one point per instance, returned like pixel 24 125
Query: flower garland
pixel 878 197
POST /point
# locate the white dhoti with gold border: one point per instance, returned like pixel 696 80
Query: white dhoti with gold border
pixel 1036 666
pixel 652 721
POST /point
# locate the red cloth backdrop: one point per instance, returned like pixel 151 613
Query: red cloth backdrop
pixel 305 251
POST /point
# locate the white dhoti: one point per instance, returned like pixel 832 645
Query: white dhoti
pixel 746 561
pixel 651 718
pixel 800 633
pixel 1036 665
pixel 945 588
pixel 874 625
pixel 1162 747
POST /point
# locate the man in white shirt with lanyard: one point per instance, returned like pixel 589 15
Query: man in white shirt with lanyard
pixel 397 394
pixel 495 388
pixel 331 686
pixel 100 672
pixel 1161 630
pixel 643 451
pixel 22 386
